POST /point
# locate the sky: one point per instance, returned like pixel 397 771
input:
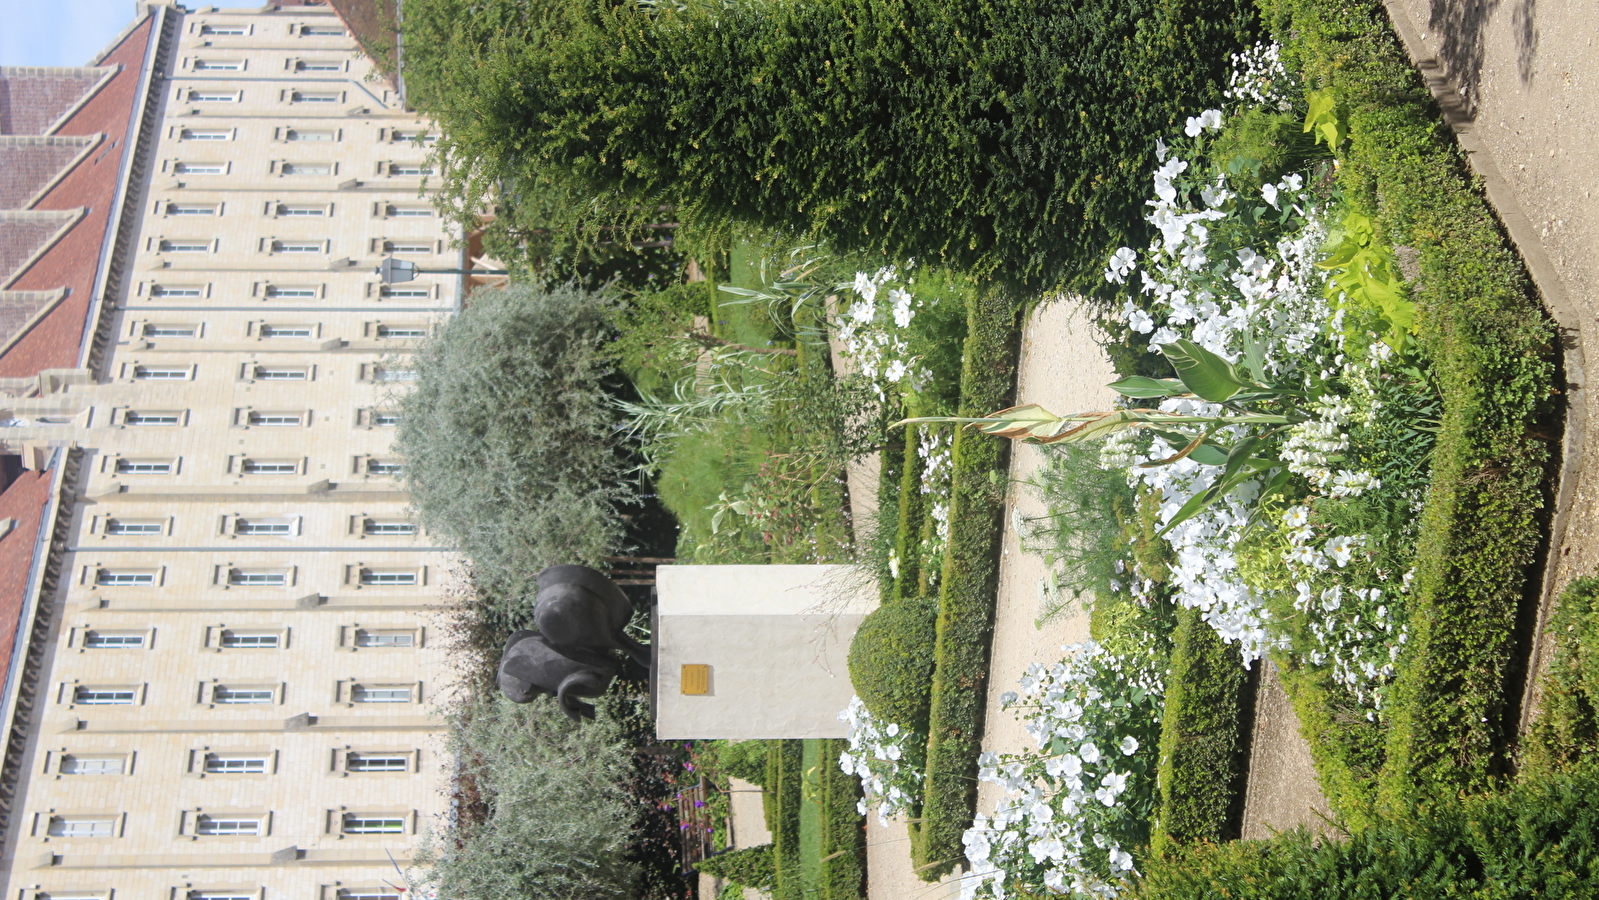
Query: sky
pixel 59 32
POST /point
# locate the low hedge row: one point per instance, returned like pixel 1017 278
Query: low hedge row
pixel 843 829
pixel 754 867
pixel 1539 839
pixel 968 584
pixel 1203 738
pixel 1452 708
pixel 1567 728
pixel 785 791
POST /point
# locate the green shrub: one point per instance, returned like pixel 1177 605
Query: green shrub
pixel 967 587
pixel 1566 731
pixel 1538 839
pixel 1009 140
pixel 754 867
pixel 891 662
pixel 785 792
pixel 1083 535
pixel 843 875
pixel 743 759
pixel 510 438
pixel 1202 739
pixel 1261 145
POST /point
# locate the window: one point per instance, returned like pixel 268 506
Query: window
pixel 104 696
pixel 206 134
pixel 410 212
pixel 315 96
pixel 321 31
pixel 134 526
pixel 184 246
pixel 220 895
pixel 199 96
pixel 177 290
pixel 251 640
pixel 318 65
pixel 200 168
pixel 402 332
pixel 410 169
pixel 408 246
pixel 191 209
pixel 385 637
pixel 236 763
pixel 281 373
pixel 377 762
pixel 405 292
pixel 287 331
pixel 275 419
pixel 258 527
pixel 384 467
pixel 367 894
pixel 161 373
pixel 133 417
pixel 169 331
pixel 371 823
pixel 413 137
pixel 383 527
pixel 298 246
pixel 113 640
pixel 224 29
pixel 82 826
pixel 386 419
pixel 380 693
pixel 305 134
pixel 243 696
pixel 257 577
pixel 293 292
pixel 224 826
pixel 306 168
pixel 285 209
pixel 73 764
pixel 144 467
pixel 269 467
pixel 219 65
pixel 384 373
pixel 124 577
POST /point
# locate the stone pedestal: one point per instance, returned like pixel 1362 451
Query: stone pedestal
pixel 746 652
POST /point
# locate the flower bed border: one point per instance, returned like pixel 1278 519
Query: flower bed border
pixel 968 585
pixel 1455 700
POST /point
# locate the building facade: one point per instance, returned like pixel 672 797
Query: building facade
pixel 224 669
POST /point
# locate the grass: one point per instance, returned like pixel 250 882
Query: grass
pixel 1202 739
pixel 1452 712
pixel 843 833
pixel 967 586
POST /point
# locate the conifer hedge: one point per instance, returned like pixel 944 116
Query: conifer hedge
pixel 1012 140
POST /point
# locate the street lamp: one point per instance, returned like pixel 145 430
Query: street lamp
pixel 399 271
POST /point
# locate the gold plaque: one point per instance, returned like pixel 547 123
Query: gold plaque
pixel 696 679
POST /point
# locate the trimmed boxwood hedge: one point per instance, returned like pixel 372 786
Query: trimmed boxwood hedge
pixel 1538 839
pixel 968 586
pixel 891 662
pixel 785 789
pixel 1566 731
pixel 1203 738
pixel 754 867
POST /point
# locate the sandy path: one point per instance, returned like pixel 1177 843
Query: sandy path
pixel 1519 84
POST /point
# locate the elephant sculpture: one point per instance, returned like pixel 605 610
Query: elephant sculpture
pixel 530 666
pixel 581 611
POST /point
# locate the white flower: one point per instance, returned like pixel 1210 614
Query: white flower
pixel 901 300
pixel 863 312
pixel 1089 752
pixel 1194 126
pixel 1210 119
pixel 1296 516
pixel 1342 548
pixel 1129 745
pixel 1269 194
pixel 865 287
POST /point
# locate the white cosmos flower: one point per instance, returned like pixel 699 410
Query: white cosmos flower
pixel 1297 516
pixel 865 287
pixel 901 300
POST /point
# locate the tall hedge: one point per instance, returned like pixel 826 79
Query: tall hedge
pixel 1008 139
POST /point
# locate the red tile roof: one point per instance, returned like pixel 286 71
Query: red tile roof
pixel 23 501
pixel 72 261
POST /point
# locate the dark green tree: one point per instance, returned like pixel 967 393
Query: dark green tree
pixel 1010 139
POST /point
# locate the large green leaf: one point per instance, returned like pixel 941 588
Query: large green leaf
pixel 1145 388
pixel 1204 373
